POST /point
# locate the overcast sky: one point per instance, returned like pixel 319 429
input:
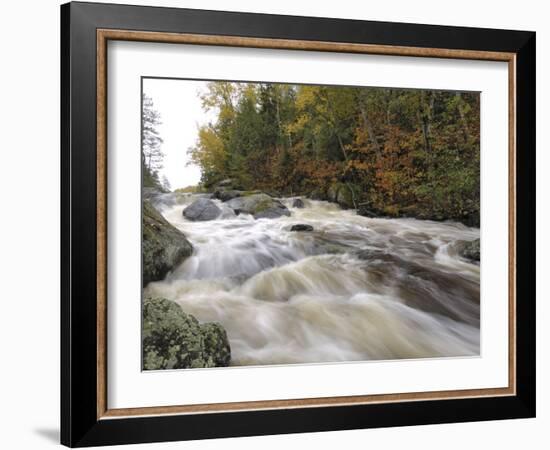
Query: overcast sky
pixel 181 113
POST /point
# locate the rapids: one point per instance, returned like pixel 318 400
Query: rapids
pixel 353 289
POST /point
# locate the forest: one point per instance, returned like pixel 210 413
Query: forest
pixel 383 151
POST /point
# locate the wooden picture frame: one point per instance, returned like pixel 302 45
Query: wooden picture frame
pixel 86 418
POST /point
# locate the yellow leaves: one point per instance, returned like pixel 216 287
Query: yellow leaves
pixel 219 94
pixel 298 125
pixel 307 95
pixel 357 165
pixel 209 152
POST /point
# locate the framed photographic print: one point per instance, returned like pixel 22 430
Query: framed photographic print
pixel 276 224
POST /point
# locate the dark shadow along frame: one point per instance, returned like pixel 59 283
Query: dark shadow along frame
pixel 85 419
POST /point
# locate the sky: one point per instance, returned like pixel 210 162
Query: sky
pixel 181 114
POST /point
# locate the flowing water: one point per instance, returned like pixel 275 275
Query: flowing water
pixel 353 289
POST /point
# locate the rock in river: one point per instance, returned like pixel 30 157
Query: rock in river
pixel 365 211
pixel 301 227
pixel 163 246
pixel 272 213
pixel 260 205
pixel 469 249
pixel 202 209
pixel 173 339
pixel 225 196
pixel 298 203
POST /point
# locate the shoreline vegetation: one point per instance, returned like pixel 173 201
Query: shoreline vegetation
pixel 385 153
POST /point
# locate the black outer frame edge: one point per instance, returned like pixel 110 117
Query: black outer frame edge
pixel 526 223
pixel 65 226
pixel 229 23
pixel 79 426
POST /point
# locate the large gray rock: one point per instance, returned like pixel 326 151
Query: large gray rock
pixel 469 249
pixel 260 205
pixel 298 203
pixel 173 339
pixel 202 209
pixel 163 246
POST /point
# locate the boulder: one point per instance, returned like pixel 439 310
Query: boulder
pixel 301 227
pixel 298 203
pixel 225 196
pixel 470 219
pixel 202 209
pixel 345 197
pixel 342 194
pixel 259 205
pixel 317 194
pixel 163 246
pixel 469 249
pixel 173 339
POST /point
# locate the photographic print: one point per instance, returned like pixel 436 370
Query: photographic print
pixel 299 224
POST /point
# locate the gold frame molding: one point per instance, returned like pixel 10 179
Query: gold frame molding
pixel 103 36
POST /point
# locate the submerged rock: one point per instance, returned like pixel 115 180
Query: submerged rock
pixel 260 205
pixel 173 339
pixel 301 227
pixel 298 203
pixel 163 246
pixel 202 209
pixel 272 213
pixel 469 249
pixel 426 288
pixel 365 211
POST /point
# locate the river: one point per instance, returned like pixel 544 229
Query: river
pixel 354 289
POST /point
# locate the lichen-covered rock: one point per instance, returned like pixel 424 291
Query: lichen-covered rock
pixel 163 246
pixel 298 203
pixel 345 197
pixel 469 249
pixel 173 339
pixel 202 209
pixel 343 194
pixel 261 206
